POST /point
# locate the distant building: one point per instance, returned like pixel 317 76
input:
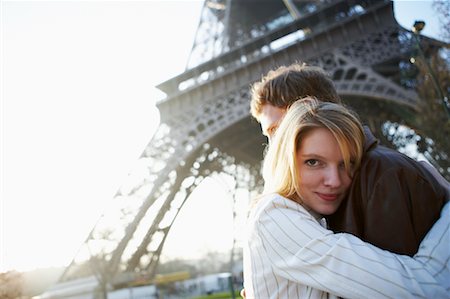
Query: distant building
pixel 89 288
pixel 205 285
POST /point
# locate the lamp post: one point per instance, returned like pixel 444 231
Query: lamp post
pixel 416 29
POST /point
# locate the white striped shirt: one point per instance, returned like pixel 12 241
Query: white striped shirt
pixel 289 254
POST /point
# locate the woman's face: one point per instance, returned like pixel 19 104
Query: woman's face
pixel 324 180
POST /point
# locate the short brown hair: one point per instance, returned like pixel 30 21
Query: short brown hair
pixel 285 85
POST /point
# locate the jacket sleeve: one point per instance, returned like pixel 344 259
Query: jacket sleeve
pixel 401 208
pixel 439 178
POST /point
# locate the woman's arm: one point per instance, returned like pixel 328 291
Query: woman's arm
pixel 300 250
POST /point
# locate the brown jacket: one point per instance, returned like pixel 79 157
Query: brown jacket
pixel 393 201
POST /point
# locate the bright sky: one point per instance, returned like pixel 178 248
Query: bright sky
pixel 77 110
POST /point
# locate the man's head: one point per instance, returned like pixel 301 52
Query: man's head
pixel 281 87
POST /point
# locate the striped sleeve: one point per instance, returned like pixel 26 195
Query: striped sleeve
pixel 300 250
pixel 434 251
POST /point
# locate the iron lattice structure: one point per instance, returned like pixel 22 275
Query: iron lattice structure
pixel 205 123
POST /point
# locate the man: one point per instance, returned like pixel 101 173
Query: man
pixel 393 201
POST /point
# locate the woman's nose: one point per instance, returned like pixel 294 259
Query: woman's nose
pixel 333 177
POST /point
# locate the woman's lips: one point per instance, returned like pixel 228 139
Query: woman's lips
pixel 328 197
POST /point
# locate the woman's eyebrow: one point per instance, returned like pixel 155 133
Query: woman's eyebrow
pixel 312 155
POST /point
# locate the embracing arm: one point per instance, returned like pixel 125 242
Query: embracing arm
pixel 300 250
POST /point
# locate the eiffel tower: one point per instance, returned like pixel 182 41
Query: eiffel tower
pixel 205 124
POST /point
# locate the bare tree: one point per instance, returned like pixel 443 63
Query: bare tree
pixel 429 74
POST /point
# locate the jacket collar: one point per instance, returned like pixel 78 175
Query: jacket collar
pixel 370 140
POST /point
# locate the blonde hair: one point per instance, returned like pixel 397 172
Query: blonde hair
pixel 280 169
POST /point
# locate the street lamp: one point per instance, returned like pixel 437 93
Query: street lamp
pixel 418 26
pixel 416 29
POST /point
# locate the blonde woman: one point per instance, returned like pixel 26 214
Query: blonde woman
pixel 288 251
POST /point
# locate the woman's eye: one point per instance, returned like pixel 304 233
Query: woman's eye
pixel 312 162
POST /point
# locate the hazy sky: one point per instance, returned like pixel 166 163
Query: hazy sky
pixel 77 110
